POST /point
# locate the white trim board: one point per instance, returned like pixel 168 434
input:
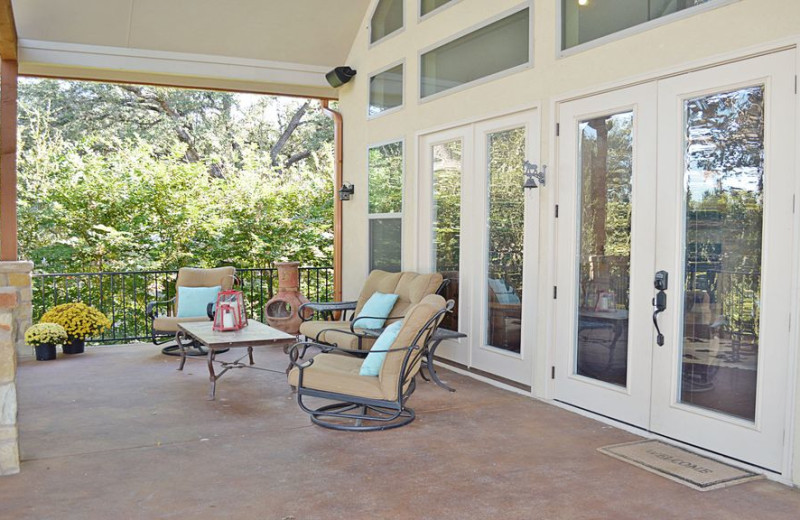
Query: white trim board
pixel 37 57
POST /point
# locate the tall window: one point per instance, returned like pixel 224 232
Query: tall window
pixel 494 48
pixel 385 206
pixel 387 18
pixel 586 20
pixel 386 90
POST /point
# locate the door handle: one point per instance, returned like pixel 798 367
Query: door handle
pixel 660 302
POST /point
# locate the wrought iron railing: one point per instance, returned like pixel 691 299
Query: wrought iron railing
pixel 123 296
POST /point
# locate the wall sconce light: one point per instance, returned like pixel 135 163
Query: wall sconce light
pixel 346 191
pixel 339 76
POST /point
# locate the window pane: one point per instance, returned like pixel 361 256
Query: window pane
pixel 506 226
pixel 499 46
pixel 605 154
pixel 426 6
pixel 386 178
pixel 386 90
pixel 387 18
pixel 724 179
pixel 447 220
pixel 595 19
pixel 385 237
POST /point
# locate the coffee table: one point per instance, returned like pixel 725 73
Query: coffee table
pixel 256 334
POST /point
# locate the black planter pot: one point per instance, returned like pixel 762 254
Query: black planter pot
pixel 74 346
pixel 45 352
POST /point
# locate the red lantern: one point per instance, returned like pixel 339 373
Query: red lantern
pixel 230 313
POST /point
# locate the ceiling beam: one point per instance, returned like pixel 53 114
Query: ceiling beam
pixel 8 32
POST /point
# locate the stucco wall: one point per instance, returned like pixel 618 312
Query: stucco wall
pixel 715 34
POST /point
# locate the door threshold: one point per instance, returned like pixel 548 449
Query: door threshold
pixel 486 377
pixel 646 434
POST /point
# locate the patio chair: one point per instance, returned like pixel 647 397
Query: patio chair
pixel 165 326
pixel 363 402
pixel 345 332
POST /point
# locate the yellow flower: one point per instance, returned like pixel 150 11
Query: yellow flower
pixel 78 319
pixel 45 333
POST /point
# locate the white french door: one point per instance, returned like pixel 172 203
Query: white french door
pixel 691 176
pixel 476 228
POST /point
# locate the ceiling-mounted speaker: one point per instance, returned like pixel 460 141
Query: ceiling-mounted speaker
pixel 339 76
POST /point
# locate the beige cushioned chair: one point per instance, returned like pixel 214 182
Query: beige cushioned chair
pixel 367 402
pixel 410 287
pixel 164 326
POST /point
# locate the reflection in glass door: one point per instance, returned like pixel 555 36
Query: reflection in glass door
pixel 506 227
pixel 724 204
pixel 605 165
pixel 447 167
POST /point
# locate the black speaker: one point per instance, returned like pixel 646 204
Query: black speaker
pixel 339 76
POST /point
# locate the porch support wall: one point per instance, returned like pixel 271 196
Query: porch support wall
pixel 8 160
pixel 15 318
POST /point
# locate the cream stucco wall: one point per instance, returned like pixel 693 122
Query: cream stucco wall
pixel 716 34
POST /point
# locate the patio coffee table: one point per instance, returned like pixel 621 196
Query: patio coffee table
pixel 256 334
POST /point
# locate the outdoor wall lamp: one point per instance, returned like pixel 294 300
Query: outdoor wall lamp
pixel 339 76
pixel 532 174
pixel 346 191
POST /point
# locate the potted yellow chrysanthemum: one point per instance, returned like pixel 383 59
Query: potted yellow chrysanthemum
pixel 44 337
pixel 80 321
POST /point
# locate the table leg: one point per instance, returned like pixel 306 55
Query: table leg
pixel 182 349
pixel 211 375
pixel 250 354
pixel 432 369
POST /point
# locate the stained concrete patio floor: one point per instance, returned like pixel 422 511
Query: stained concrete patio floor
pixel 119 433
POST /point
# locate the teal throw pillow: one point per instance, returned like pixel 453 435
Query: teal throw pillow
pixel 374 361
pixel 377 308
pixel 193 301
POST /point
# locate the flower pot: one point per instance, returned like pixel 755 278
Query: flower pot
pixel 45 352
pixel 74 346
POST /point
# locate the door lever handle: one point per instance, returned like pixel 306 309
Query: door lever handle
pixel 660 304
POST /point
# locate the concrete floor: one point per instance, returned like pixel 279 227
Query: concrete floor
pixel 119 433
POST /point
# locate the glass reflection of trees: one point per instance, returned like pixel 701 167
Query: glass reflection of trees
pixel 386 200
pixel 447 219
pixel 506 237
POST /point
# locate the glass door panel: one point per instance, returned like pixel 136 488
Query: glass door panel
pixel 506 227
pixel 447 169
pixel 724 204
pixel 605 167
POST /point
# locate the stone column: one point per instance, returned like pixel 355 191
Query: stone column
pixel 15 317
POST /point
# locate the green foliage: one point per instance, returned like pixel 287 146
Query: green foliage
pixel 386 178
pixel 139 178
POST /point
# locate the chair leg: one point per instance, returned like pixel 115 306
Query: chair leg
pixel 346 416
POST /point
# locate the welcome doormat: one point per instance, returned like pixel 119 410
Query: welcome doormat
pixel 691 469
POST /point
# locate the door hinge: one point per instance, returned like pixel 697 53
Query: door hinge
pixel 556 210
pixel 558 128
pixel 555 292
pixel 552 372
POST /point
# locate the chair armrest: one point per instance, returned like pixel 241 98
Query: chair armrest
pixel 298 351
pixel 353 322
pixel 151 307
pixel 325 307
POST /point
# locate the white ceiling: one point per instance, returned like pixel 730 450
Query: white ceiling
pixel 307 35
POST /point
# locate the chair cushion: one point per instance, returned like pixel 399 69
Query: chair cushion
pixel 170 323
pixel 410 287
pixel 337 373
pixel 378 308
pixel 193 301
pixel 331 332
pixel 374 361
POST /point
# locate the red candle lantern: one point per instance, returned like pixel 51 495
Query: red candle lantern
pixel 230 312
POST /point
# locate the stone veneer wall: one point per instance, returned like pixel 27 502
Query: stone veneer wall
pixel 15 318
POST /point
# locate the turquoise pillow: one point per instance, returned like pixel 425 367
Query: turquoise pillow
pixel 374 361
pixel 193 301
pixel 377 308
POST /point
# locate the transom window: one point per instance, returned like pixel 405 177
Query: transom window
pixel 386 19
pixel 586 20
pixel 386 90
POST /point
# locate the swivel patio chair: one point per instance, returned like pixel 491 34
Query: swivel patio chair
pixel 164 326
pixel 345 331
pixel 366 402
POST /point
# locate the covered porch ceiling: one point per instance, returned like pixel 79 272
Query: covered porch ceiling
pixel 270 46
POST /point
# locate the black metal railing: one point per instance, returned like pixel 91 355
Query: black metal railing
pixel 123 296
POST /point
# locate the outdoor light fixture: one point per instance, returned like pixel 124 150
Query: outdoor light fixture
pixel 339 76
pixel 346 191
pixel 583 2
